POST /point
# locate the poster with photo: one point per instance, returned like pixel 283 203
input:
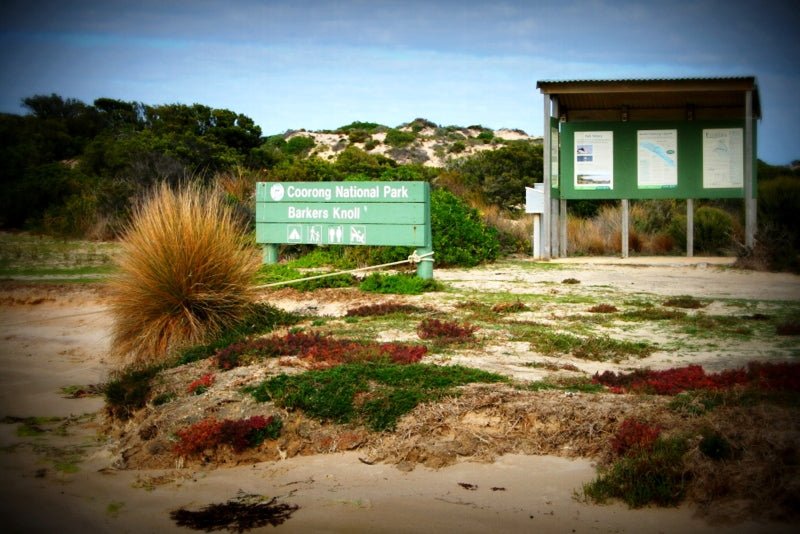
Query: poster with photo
pixel 657 159
pixel 723 158
pixel 594 160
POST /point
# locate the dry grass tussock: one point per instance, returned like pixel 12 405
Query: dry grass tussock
pixel 520 230
pixel 602 235
pixel 185 273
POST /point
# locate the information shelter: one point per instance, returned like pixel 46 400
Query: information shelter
pixel 687 138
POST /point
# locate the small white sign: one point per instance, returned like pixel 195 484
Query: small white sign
pixel 276 192
pixel 534 199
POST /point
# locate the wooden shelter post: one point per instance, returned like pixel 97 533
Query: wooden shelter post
pixel 545 227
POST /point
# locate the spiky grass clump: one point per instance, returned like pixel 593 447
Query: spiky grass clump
pixel 185 273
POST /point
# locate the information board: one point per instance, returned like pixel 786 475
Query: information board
pixel 653 159
pixel 343 213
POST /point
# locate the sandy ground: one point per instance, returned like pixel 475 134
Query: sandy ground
pixel 65 480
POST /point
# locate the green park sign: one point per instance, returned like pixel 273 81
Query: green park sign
pixel 343 213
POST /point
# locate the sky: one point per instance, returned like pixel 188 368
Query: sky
pixel 291 64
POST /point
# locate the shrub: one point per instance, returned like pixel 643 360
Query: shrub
pixel 459 236
pixel 324 350
pixel 603 308
pixel 128 391
pixel 376 394
pixel 486 136
pixel 633 437
pixel 299 145
pixel 398 138
pixel 790 327
pixel 715 446
pixel 457 147
pixel 597 348
pixel 510 307
pixel 713 230
pixel 400 284
pixel 778 239
pixel 654 475
pixel 185 274
pixel 684 301
pixel 239 434
pixel 765 376
pixel 652 314
pixel 383 308
pixel 259 319
pixel 201 385
pixel 358 136
pixel 445 331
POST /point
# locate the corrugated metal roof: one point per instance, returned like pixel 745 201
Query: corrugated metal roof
pixel 716 96
pixel 645 80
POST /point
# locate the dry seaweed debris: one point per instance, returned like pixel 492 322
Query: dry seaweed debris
pixel 485 422
pixel 244 512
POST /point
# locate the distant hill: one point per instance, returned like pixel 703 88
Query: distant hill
pixel 419 141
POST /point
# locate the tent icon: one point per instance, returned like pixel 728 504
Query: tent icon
pixel 294 234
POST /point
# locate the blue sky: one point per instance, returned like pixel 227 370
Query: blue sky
pixel 322 64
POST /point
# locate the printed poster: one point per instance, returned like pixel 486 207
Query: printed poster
pixel 594 160
pixel 723 158
pixel 657 154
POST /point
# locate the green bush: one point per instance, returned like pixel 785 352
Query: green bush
pixel 397 138
pixel 460 238
pixel 654 216
pixel 713 230
pixel 401 284
pixel 486 136
pixel 459 235
pixel 359 125
pixel 299 145
pixel 376 394
pixel 501 175
pixel 653 475
pixel 358 136
pixel 457 147
pixel 128 390
pixel 778 225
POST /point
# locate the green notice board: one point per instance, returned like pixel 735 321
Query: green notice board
pixel 343 213
pixel 651 159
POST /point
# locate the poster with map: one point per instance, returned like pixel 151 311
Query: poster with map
pixel 723 158
pixel 657 155
pixel 594 160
